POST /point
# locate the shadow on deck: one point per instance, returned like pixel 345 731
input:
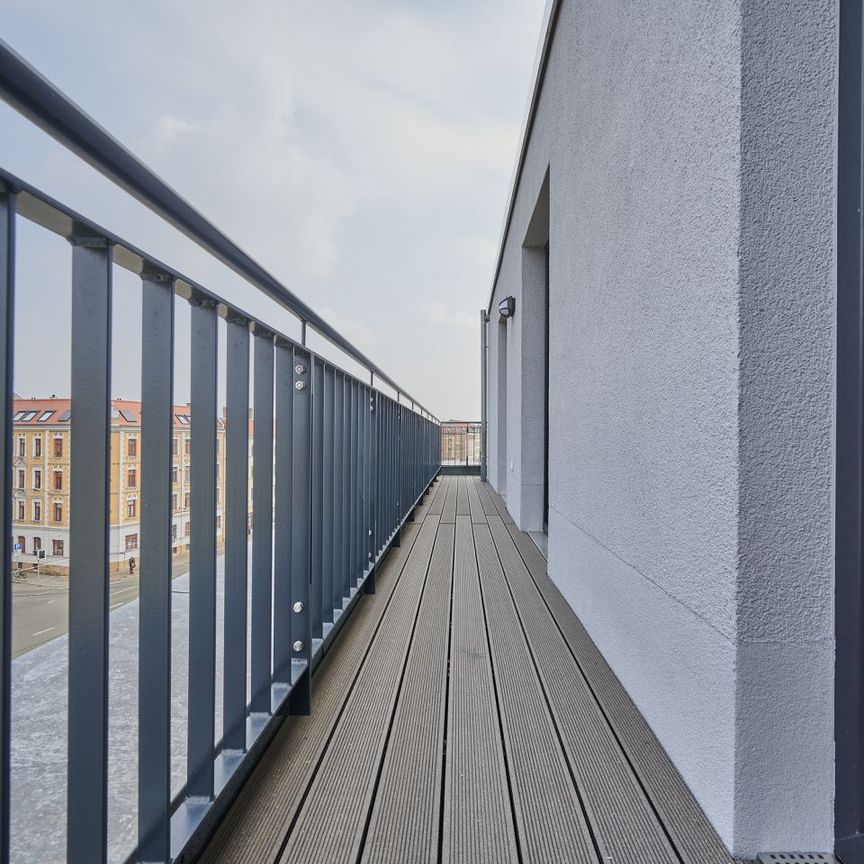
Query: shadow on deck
pixel 464 714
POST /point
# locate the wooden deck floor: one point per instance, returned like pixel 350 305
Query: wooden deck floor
pixel 464 715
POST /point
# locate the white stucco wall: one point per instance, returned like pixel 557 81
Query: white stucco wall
pixel 690 147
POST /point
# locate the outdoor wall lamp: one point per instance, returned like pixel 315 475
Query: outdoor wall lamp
pixel 507 307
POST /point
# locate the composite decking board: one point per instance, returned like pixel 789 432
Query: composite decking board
pixel 485 496
pixel 624 823
pixel 331 822
pixel 551 822
pixel 448 514
pixel 478 823
pixel 462 496
pixel 254 829
pixel 496 802
pixel 500 506
pixel 405 820
pixel 436 506
pixel 478 516
pixel 691 832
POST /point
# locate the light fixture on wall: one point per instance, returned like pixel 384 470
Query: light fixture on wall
pixel 507 307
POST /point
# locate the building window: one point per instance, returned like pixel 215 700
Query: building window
pixel 37 544
pixel 174 502
pixel 175 474
pixel 37 478
pixel 188 446
pixel 131 508
pixel 218 521
pixel 58 447
pixel 58 481
pixel 58 511
pixel 22 452
pixel 37 447
pixel 187 529
pixel 20 511
pixel 131 542
pixel 57 548
pixel 20 478
pixel 132 447
pixel 186 501
pixel 37 511
pixel 175 446
pixel 186 474
pixel 132 478
pixel 22 542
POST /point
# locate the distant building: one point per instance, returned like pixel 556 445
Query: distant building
pixel 460 442
pixel 42 430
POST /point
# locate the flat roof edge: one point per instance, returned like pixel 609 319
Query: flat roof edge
pixel 547 31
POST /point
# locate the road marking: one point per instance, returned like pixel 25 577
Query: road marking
pixel 46 630
pixel 49 602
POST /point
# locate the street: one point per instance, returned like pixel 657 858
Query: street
pixel 40 608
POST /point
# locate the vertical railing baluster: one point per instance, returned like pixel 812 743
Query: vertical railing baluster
pixel 352 490
pixel 317 451
pixel 284 466
pixel 375 485
pixel 89 520
pixel 7 354
pixel 154 617
pixel 346 486
pixel 328 599
pixel 301 537
pixel 200 730
pixel 236 534
pixel 317 520
pixel 262 523
pixel 338 485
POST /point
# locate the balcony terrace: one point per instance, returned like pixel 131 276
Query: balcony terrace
pixel 465 715
pixel 399 679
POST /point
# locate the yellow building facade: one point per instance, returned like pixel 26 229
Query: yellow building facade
pixel 42 430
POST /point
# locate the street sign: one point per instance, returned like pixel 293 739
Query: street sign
pixel 17 547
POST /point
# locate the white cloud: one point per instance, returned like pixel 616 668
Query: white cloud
pixel 361 151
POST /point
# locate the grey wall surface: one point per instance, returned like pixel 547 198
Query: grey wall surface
pixel 690 148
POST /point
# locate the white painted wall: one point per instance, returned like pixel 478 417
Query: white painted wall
pixel 690 146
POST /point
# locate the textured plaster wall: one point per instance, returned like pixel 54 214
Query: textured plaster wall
pixel 690 150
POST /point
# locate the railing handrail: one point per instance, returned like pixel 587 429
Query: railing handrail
pixel 45 105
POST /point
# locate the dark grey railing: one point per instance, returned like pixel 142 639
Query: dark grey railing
pixel 338 466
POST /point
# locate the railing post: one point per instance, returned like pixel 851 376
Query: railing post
pixel 7 353
pixel 90 481
pixel 372 523
pixel 284 492
pixel 300 701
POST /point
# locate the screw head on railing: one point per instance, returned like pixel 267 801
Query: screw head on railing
pixel 298 647
pixel 300 385
pixel 370 532
pixel 298 607
pixel 299 368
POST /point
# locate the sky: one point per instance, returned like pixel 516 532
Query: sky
pixel 361 151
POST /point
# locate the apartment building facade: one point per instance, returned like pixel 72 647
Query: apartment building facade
pixel 670 370
pixel 42 430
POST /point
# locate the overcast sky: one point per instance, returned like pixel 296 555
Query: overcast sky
pixel 361 151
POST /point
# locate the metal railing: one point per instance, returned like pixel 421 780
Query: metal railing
pixel 338 466
pixel 461 443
